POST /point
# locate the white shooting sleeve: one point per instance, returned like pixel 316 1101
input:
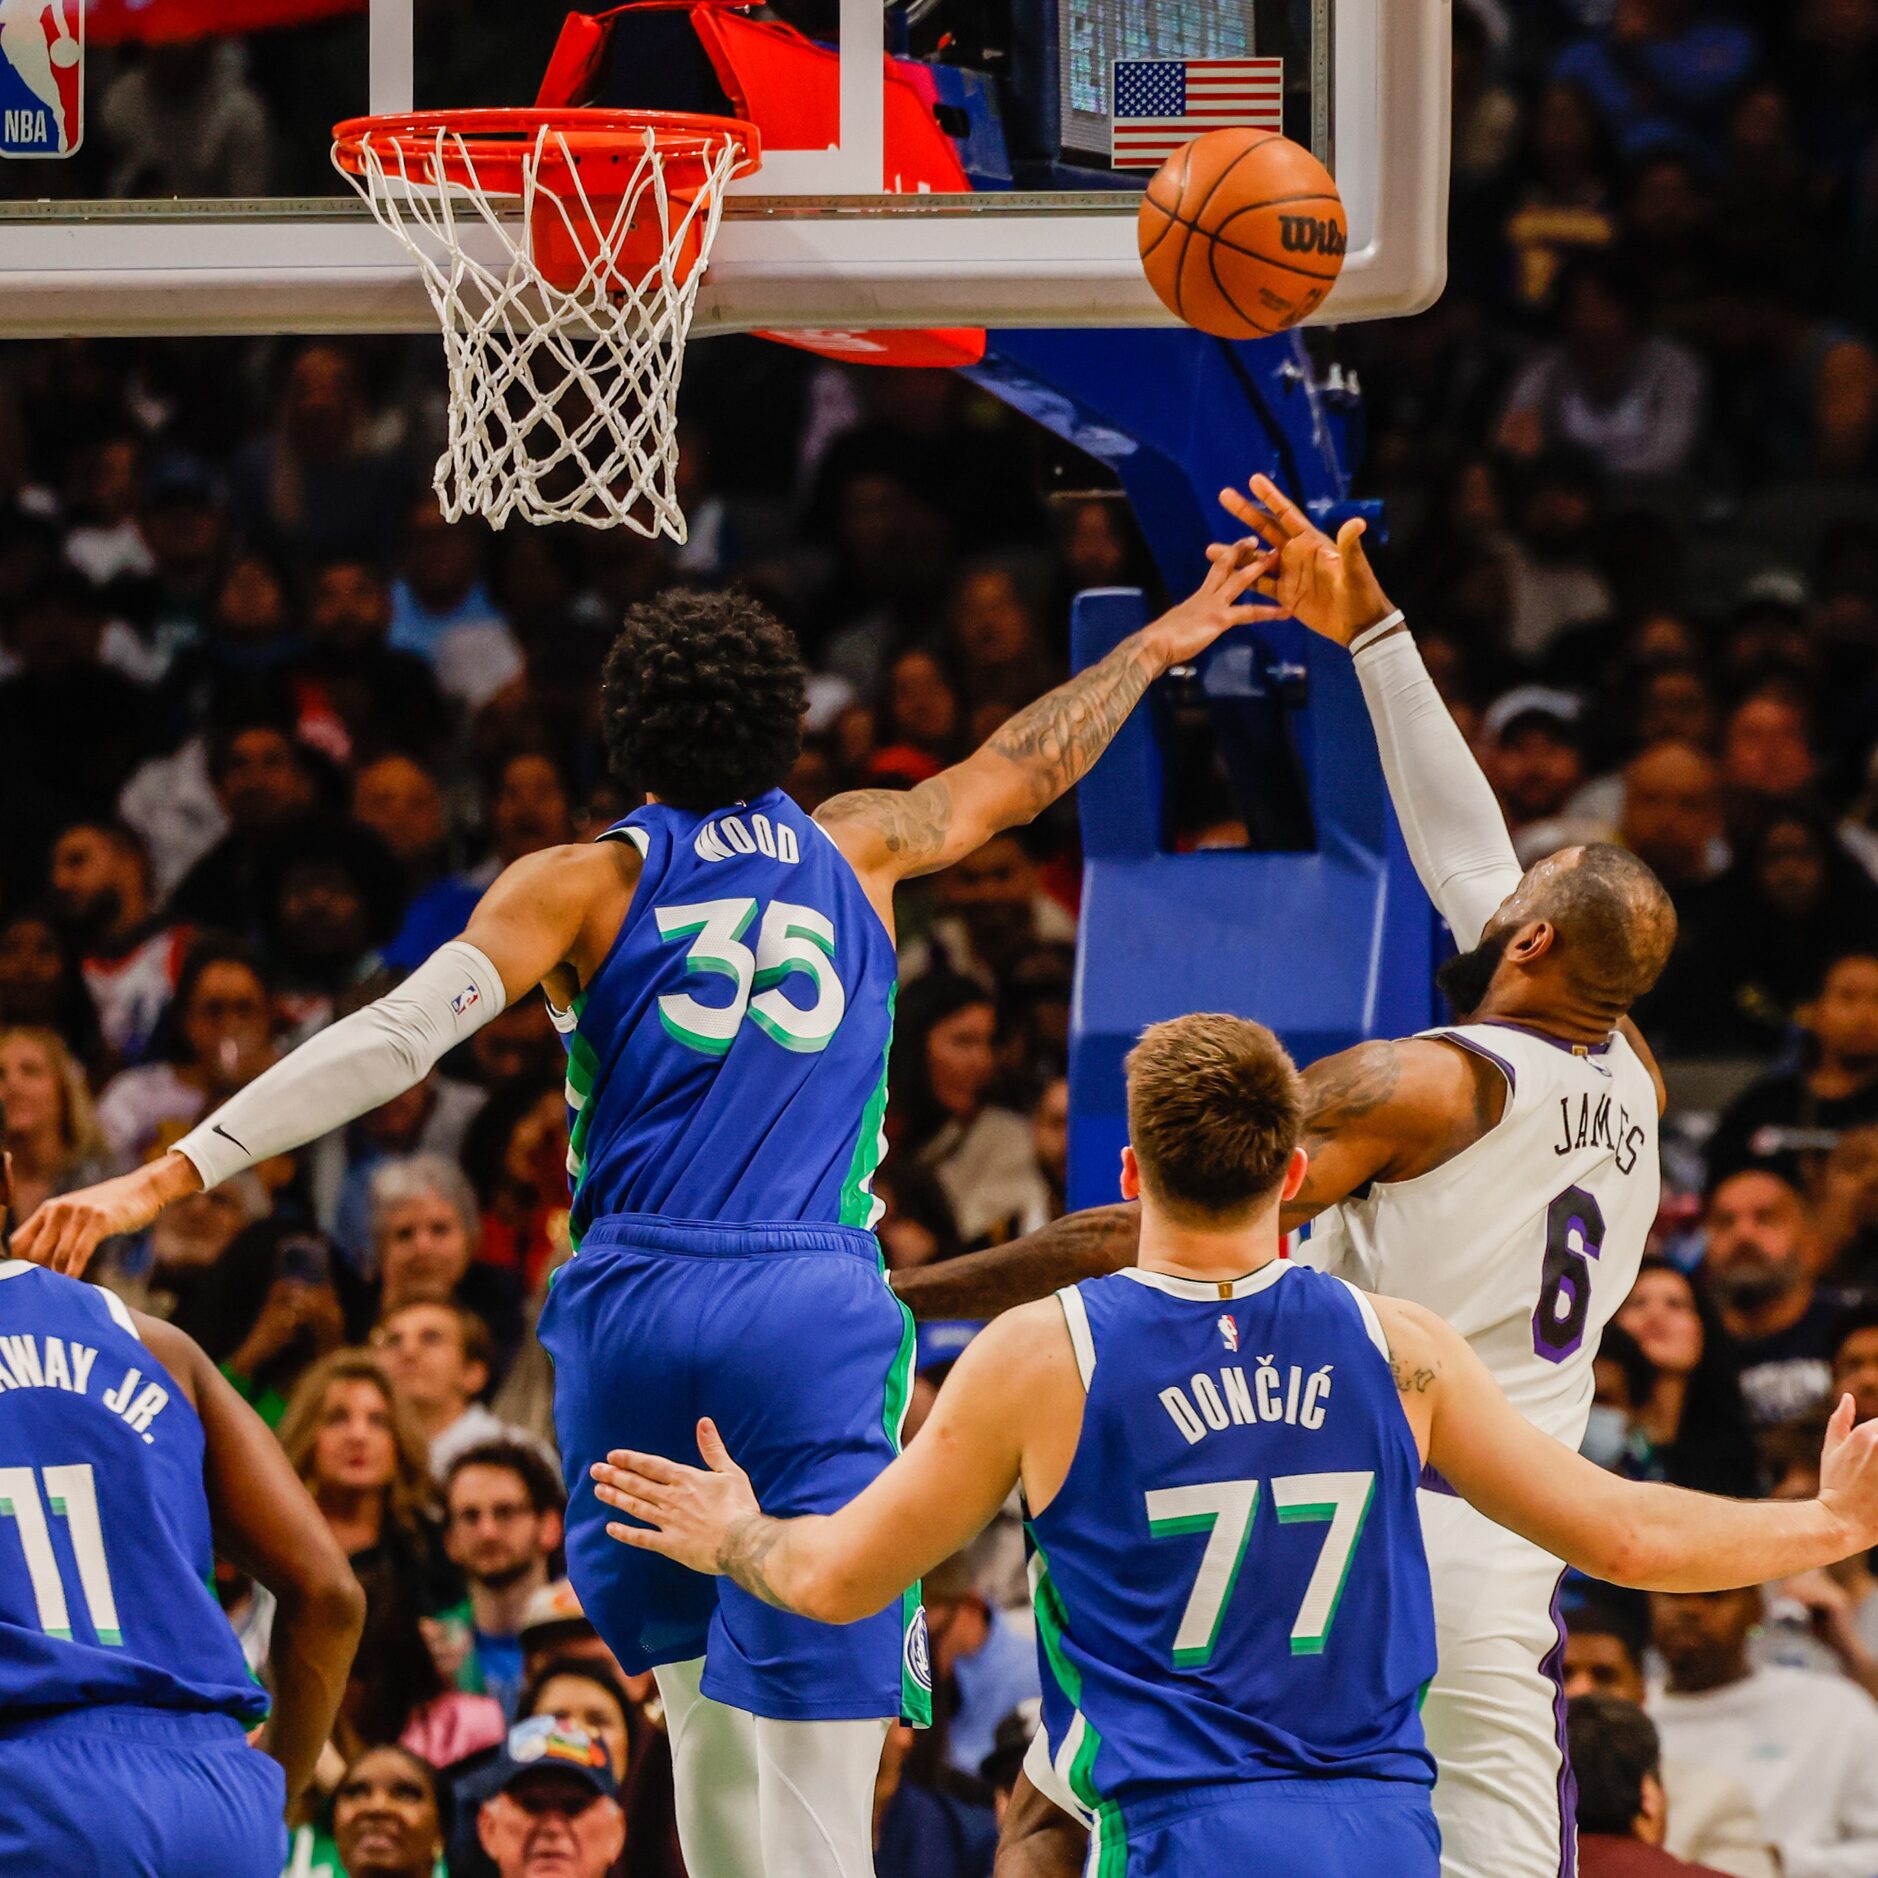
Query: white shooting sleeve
pixel 1450 817
pixel 351 1067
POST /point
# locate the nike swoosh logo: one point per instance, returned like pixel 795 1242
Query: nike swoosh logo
pixel 216 1128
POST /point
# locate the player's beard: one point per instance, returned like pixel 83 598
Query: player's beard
pixel 1465 978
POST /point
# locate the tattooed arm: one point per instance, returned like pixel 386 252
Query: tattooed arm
pixel 1040 754
pixel 1011 1405
pixel 1390 1110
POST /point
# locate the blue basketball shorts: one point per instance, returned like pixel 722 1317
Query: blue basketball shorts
pixel 139 1793
pixel 790 1340
pixel 1273 1829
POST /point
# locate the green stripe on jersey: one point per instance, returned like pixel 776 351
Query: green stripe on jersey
pixel 858 1205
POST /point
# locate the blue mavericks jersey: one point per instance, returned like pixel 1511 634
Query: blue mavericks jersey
pixel 1230 1585
pixel 105 1550
pixel 728 1061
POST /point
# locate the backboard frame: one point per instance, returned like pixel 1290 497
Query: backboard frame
pixel 801 245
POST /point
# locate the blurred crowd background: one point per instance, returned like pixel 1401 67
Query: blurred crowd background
pixel 268 725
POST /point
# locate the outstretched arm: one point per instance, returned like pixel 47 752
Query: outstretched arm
pixel 940 1494
pixel 1451 820
pixel 1041 753
pixel 1381 1111
pixel 1626 1532
pixel 543 910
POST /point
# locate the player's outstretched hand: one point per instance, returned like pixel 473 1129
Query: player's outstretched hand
pixel 1328 585
pixel 65 1231
pixel 1848 1476
pixel 1185 631
pixel 689 1512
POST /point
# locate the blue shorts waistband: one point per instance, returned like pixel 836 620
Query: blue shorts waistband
pixel 1156 1809
pixel 159 1727
pixel 704 1238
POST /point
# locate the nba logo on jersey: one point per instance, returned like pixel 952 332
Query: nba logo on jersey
pixel 42 77
pixel 1229 1329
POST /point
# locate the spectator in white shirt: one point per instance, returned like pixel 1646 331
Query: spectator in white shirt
pixel 1804 1745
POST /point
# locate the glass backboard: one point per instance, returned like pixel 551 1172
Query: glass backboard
pixel 195 192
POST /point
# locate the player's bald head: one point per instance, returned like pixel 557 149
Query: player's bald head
pixel 1614 921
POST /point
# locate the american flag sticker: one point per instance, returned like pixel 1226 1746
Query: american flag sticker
pixel 1162 103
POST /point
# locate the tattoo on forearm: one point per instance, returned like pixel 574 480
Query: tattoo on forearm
pixel 745 1548
pixel 1409 1381
pixel 1346 1089
pixel 1060 736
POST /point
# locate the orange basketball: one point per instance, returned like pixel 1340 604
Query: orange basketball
pixel 1242 233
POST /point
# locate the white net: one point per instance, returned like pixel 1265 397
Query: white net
pixel 563 398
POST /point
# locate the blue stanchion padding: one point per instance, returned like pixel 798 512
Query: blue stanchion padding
pixel 1328 944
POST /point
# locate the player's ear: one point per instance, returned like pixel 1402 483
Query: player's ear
pixel 1295 1169
pixel 1532 942
pixel 1131 1175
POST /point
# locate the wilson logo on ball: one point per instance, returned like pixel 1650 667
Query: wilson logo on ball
pixel 1305 234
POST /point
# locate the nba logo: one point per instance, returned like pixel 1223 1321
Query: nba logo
pixel 1229 1331
pixel 469 994
pixel 42 77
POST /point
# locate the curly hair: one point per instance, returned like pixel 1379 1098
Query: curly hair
pixel 702 700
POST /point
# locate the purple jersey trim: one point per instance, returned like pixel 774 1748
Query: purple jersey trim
pixel 1432 1482
pixel 1475 1047
pixel 1557 1043
pixel 1552 1667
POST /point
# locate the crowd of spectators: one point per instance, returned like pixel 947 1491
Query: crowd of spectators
pixel 268 726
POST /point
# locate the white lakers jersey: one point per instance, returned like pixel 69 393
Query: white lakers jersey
pixel 1529 1240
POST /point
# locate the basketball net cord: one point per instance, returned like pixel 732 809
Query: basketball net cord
pixel 563 401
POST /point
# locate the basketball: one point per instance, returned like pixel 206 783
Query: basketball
pixel 1242 233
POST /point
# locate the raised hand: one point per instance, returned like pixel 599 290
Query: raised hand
pixel 1327 585
pixel 65 1231
pixel 1185 631
pixel 1848 1476
pixel 690 1513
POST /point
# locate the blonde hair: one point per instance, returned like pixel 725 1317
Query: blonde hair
pixel 1215 1108
pixel 411 1498
pixel 79 1129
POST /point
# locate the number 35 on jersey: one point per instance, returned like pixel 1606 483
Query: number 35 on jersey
pixel 791 942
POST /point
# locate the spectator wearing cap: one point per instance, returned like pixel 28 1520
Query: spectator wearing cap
pixel 986 1666
pixel 1761 1269
pixel 503 1508
pixel 1712 1822
pixel 1533 755
pixel 131 957
pixel 1804 1745
pixel 1616 1760
pixel 556 1629
pixel 555 1812
pixel 1791 1121
pixel 438 1356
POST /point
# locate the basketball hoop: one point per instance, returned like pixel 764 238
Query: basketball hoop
pixel 564 326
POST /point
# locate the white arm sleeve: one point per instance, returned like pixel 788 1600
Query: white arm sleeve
pixel 1450 816
pixel 351 1067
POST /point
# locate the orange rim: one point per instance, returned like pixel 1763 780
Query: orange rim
pixel 489 149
